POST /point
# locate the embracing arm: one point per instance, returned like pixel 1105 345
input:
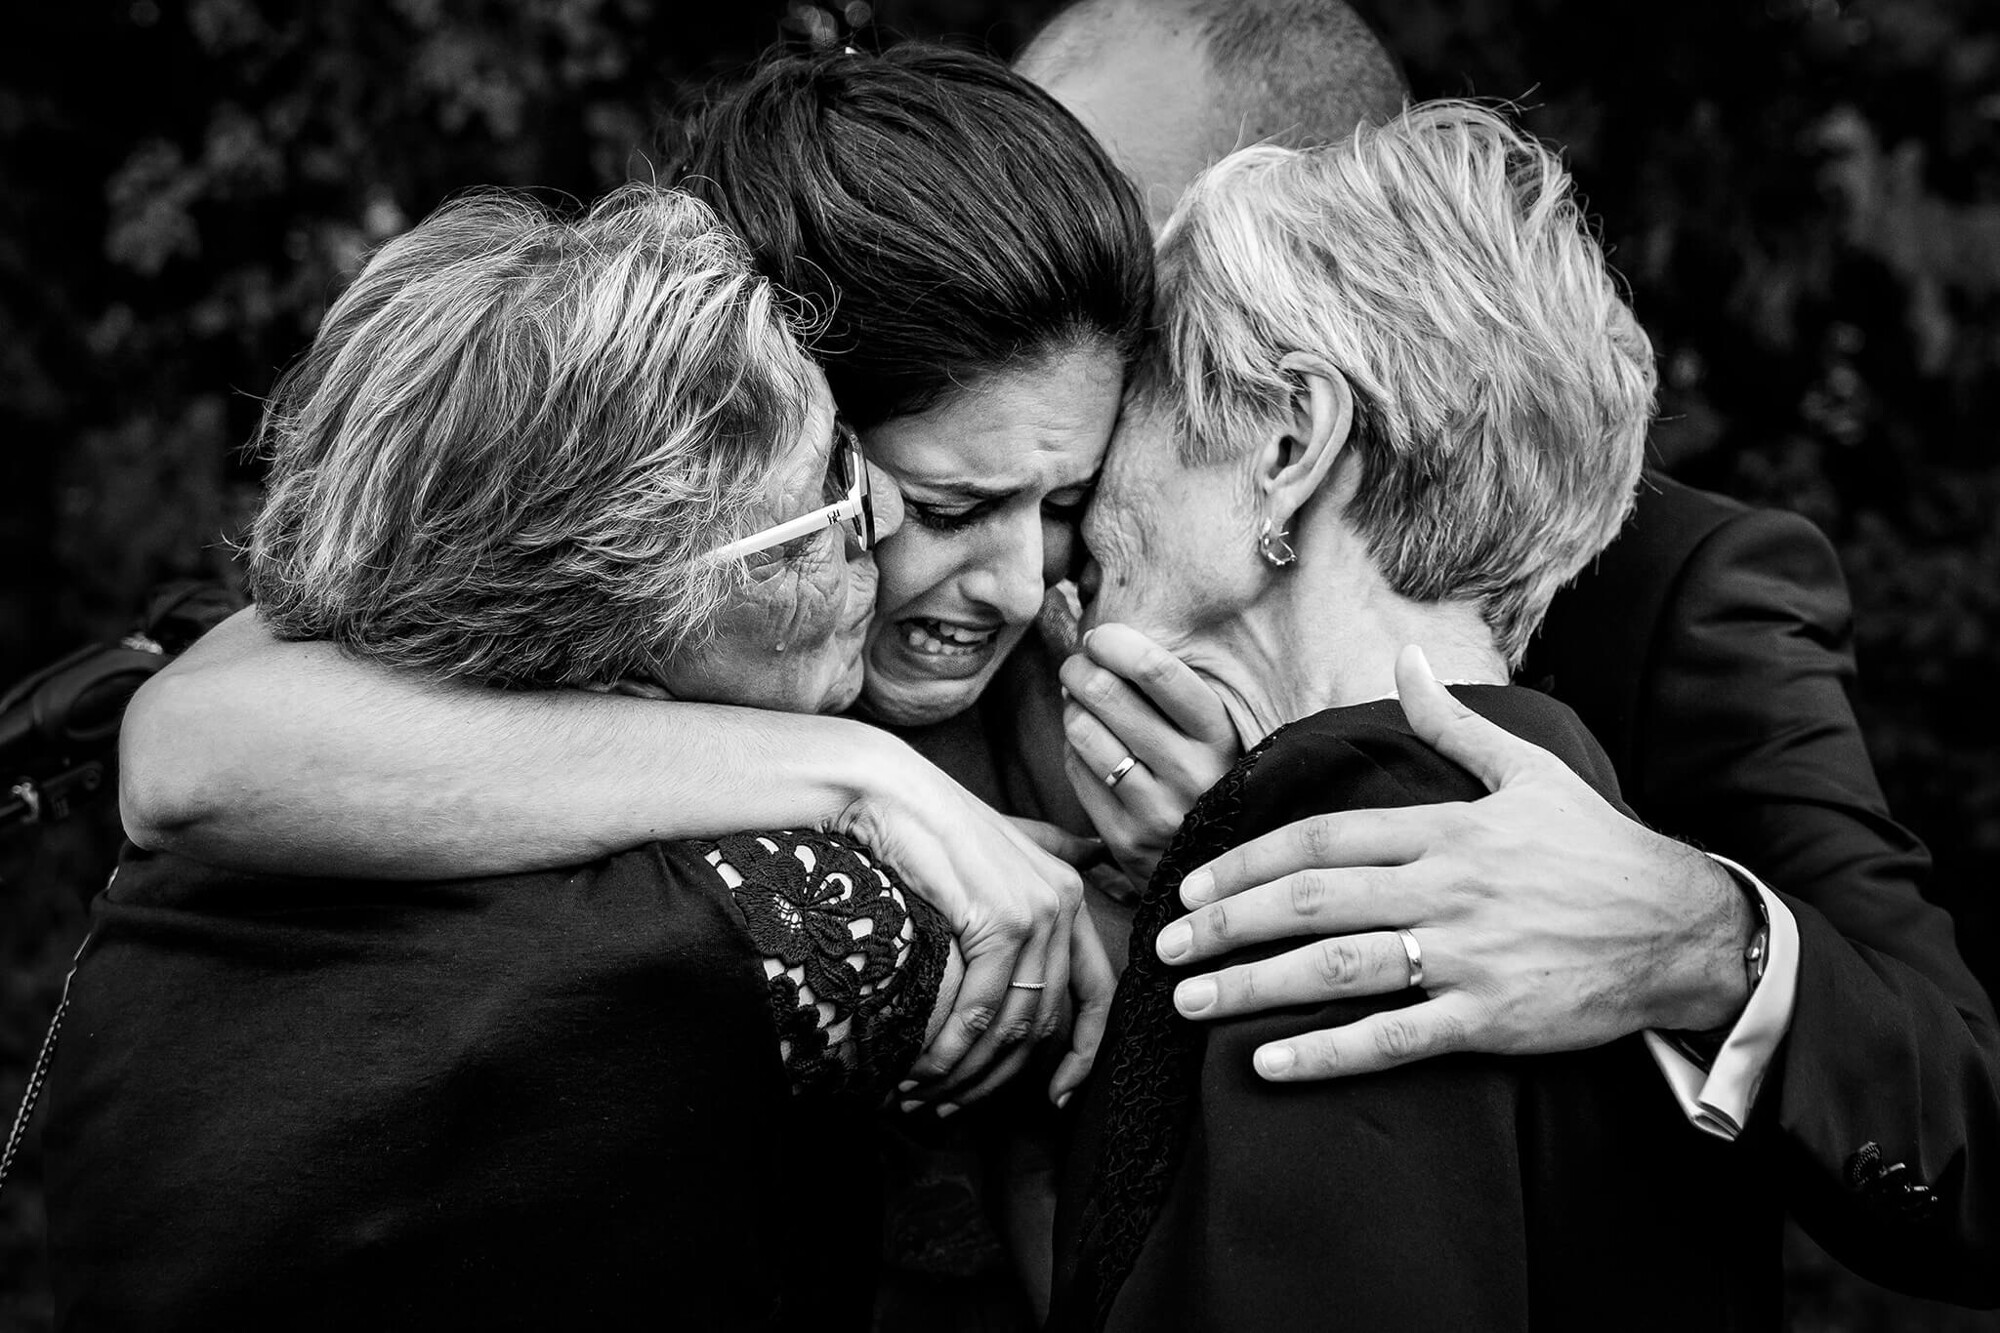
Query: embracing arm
pixel 258 754
pixel 1892 1041
pixel 1549 920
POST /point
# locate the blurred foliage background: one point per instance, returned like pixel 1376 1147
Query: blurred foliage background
pixel 1804 195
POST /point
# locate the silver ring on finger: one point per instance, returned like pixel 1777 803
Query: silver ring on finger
pixel 1117 775
pixel 1414 954
pixel 1027 985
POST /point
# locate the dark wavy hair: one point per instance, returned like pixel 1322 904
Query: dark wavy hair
pixel 941 217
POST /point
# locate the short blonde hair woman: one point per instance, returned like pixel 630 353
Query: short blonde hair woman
pixel 1396 400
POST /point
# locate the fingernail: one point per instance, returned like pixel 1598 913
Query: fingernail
pixel 1196 888
pixel 1192 997
pixel 1175 940
pixel 1275 1060
pixel 1063 1100
pixel 947 1109
pixel 908 1105
pixel 1084 642
pixel 906 1085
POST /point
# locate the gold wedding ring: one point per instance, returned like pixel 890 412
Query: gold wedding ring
pixel 1117 775
pixel 1415 954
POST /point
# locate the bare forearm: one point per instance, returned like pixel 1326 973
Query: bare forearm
pixel 297 758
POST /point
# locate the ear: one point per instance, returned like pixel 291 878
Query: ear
pixel 1308 440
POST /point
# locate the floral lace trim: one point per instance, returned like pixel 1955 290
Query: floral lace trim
pixel 1154 1059
pixel 852 958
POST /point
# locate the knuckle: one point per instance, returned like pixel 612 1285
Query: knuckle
pixel 1338 964
pixel 1214 922
pixel 1316 839
pixel 1318 1056
pixel 975 1019
pixel 1242 983
pixel 1308 893
pixel 1015 1031
pixel 1396 1039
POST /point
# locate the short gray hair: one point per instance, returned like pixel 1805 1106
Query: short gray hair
pixel 1440 262
pixel 516 438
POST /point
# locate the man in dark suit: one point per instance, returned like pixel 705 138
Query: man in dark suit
pixel 1802 996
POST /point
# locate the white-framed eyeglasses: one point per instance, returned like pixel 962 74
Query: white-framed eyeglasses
pixel 852 504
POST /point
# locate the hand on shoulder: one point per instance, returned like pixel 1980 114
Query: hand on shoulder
pixel 1546 919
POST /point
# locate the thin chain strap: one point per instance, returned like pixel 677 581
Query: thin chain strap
pixel 41 1073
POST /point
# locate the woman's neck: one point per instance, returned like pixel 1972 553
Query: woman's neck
pixel 1304 647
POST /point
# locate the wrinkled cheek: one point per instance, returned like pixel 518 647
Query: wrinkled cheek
pixel 816 612
pixel 789 610
pixel 1114 603
pixel 754 620
pixel 1156 606
pixel 1118 580
pixel 759 659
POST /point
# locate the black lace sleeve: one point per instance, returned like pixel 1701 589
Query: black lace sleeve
pixel 853 958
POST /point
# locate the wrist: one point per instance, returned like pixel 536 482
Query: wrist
pixel 877 779
pixel 1712 982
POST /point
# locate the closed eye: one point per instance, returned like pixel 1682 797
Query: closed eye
pixel 941 518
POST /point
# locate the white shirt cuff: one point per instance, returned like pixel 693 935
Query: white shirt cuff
pixel 1717 1099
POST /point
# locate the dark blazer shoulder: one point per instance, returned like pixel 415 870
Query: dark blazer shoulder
pixel 1710 649
pixel 1600 642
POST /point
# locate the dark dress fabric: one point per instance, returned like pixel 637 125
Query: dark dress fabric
pixel 565 1099
pixel 1468 1191
pixel 1710 651
pixel 946 1260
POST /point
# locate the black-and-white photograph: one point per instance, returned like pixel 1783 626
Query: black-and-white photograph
pixel 978 666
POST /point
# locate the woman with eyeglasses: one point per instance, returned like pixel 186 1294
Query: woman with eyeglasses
pixel 523 453
pixel 978 274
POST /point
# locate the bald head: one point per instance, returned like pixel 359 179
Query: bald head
pixel 1171 86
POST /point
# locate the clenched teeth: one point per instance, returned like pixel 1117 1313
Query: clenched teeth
pixel 943 638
